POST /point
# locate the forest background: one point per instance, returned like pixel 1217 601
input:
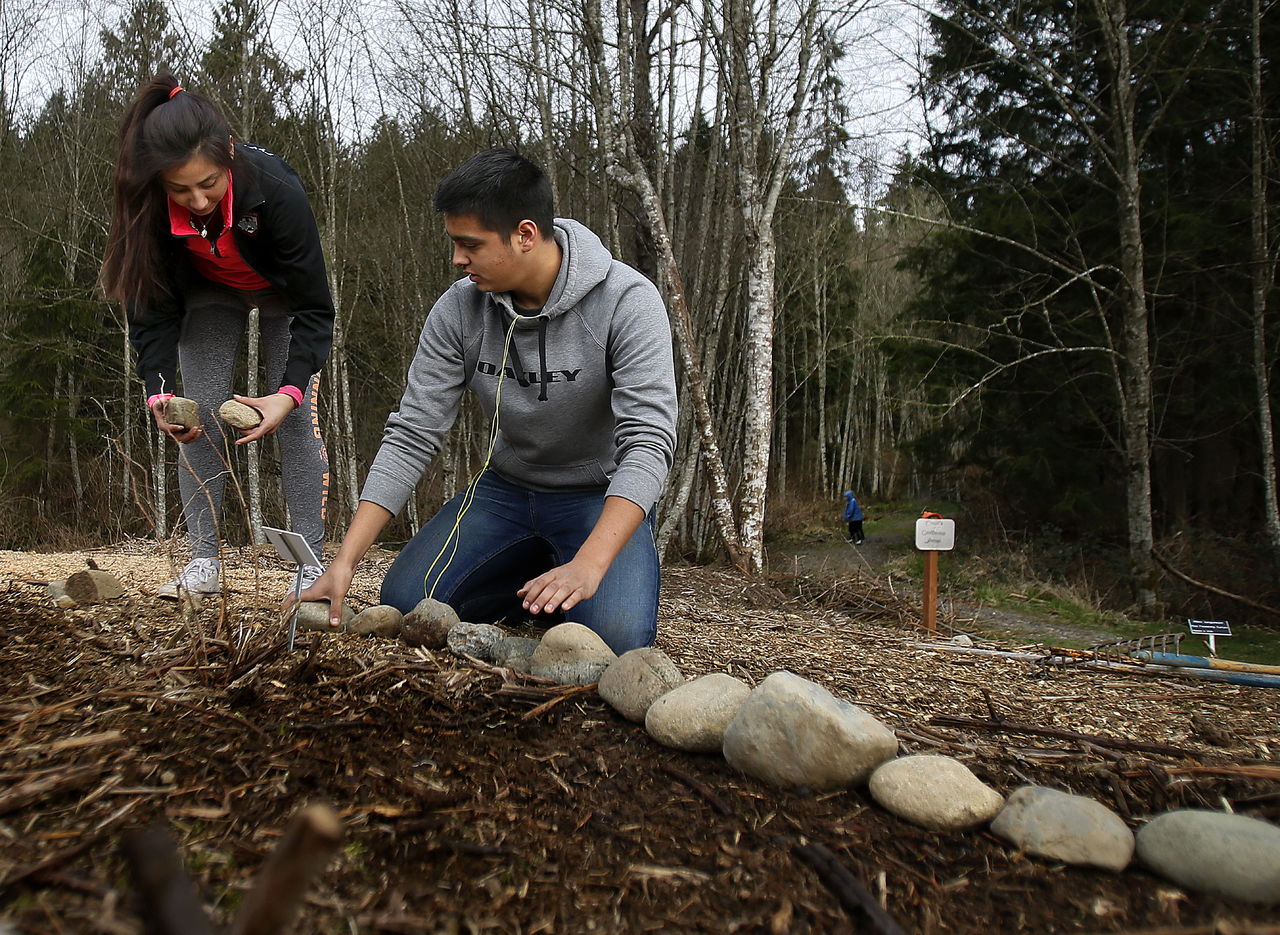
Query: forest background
pixel 1045 301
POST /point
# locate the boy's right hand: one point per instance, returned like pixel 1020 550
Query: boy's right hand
pixel 332 586
pixel 178 433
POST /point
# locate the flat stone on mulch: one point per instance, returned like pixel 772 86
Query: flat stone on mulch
pixel 474 639
pixel 379 620
pixel 92 585
pixel 693 716
pixel 638 679
pixel 792 732
pixel 428 624
pixel 935 792
pixel 571 654
pixel 514 652
pixel 1070 828
pixel 1230 855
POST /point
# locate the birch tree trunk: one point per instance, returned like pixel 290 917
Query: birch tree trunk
pixel 1262 276
pixel 127 422
pixel 73 450
pixel 253 336
pixel 160 481
pixel 1135 366
pixel 758 411
pixel 761 53
pixel 620 153
pixel 695 385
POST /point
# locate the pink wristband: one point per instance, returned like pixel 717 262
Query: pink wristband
pixel 156 397
pixel 293 393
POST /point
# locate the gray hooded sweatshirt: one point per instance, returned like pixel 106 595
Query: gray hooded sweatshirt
pixel 588 395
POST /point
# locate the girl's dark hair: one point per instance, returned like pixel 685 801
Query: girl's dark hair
pixel 161 131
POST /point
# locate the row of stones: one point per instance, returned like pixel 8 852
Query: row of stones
pixel 793 733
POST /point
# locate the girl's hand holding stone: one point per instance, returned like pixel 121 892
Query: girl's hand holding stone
pixel 274 408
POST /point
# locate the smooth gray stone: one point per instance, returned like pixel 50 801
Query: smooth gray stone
pixel 571 654
pixel 936 792
pixel 1069 828
pixel 1230 855
pixel 428 624
pixel 57 591
pixel 514 652
pixel 637 679
pixel 475 639
pixel 693 716
pixel 380 620
pixel 792 732
pixel 314 616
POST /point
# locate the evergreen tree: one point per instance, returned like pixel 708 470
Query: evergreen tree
pixel 241 70
pixel 1093 298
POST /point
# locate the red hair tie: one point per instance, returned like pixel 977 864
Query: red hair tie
pixel 175 91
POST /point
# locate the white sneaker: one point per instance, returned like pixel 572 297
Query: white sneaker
pixel 309 575
pixel 201 576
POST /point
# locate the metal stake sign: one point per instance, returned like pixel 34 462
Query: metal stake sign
pixel 933 534
pixel 292 547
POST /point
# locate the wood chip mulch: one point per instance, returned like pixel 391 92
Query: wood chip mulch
pixel 479 801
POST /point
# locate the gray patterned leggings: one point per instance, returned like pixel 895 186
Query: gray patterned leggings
pixel 212 332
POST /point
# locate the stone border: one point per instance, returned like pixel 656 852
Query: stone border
pixel 792 733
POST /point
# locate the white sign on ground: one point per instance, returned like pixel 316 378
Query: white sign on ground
pixel 292 548
pixel 935 535
pixel 1212 629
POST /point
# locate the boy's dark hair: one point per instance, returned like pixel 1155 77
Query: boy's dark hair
pixel 501 188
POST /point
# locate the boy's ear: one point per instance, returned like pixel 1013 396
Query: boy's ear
pixel 526 234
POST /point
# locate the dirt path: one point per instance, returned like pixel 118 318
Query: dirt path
pixel 885 556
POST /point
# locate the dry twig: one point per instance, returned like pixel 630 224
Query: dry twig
pixel 1101 740
pixel 312 837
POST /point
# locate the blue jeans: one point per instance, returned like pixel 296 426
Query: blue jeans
pixel 510 535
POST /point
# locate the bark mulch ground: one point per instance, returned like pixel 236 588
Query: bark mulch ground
pixel 475 802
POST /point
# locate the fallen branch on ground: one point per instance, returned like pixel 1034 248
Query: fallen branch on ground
pixel 853 895
pixel 1101 740
pixel 32 790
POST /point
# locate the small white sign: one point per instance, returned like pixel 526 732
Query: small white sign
pixel 290 546
pixel 935 535
pixel 1210 627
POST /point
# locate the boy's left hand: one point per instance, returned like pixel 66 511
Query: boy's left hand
pixel 273 408
pixel 561 588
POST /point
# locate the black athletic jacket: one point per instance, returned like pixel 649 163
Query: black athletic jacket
pixel 276 234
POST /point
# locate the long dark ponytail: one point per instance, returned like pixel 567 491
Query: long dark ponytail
pixel 162 130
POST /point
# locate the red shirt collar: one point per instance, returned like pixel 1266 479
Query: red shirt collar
pixel 180 218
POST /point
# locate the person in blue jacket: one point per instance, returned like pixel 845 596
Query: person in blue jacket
pixel 853 516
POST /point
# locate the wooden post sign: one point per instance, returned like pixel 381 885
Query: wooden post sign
pixel 933 535
pixel 1211 629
